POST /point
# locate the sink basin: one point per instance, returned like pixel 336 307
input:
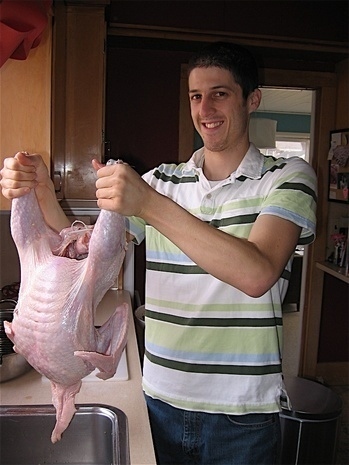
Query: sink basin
pixel 98 435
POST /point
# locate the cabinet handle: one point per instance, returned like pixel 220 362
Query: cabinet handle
pixel 57 181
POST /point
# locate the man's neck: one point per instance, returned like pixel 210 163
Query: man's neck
pixel 220 165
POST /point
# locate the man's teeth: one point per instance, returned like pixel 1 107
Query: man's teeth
pixel 212 125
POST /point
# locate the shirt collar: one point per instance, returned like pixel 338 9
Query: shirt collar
pixel 251 165
pixel 196 161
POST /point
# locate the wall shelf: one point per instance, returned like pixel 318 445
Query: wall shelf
pixel 333 270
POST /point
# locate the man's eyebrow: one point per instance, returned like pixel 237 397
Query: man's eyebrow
pixel 194 91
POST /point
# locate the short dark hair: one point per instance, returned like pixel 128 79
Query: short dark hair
pixel 232 57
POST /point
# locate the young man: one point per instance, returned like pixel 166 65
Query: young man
pixel 220 233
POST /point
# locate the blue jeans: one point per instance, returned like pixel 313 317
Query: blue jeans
pixel 184 437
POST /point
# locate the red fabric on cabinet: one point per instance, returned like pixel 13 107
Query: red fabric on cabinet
pixel 22 23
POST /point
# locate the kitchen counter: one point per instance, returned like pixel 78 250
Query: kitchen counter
pixel 127 395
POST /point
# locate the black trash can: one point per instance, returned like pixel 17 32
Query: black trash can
pixel 310 429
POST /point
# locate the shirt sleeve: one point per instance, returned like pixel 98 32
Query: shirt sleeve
pixel 293 196
pixel 136 227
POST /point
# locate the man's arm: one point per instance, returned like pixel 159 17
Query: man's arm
pixel 252 265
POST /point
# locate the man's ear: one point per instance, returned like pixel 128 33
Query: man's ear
pixel 254 100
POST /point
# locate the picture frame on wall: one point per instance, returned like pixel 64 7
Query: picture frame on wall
pixel 338 156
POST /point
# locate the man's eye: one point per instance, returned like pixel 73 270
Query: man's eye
pixel 195 97
pixel 220 94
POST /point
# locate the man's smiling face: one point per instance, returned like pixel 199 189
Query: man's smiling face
pixel 218 109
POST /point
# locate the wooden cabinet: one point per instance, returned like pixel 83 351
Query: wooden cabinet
pixel 333 348
pixel 78 84
pixel 333 341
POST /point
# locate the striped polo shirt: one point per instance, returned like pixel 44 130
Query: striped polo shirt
pixel 209 346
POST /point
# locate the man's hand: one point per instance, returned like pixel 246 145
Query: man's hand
pixel 121 189
pixel 24 172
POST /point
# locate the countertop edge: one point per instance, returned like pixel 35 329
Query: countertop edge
pixel 333 270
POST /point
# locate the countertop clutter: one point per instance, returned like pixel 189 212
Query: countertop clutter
pixel 123 391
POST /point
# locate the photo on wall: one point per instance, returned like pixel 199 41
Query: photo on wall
pixel 338 156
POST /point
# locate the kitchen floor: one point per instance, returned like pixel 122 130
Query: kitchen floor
pixel 292 334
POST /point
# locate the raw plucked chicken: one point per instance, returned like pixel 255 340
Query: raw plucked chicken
pixel 53 324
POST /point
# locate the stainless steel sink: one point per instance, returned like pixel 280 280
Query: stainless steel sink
pixel 98 435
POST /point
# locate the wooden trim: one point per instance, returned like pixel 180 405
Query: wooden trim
pixel 186 128
pixel 333 270
pixel 297 79
pixel 87 3
pixel 324 118
pixel 58 102
pixel 259 40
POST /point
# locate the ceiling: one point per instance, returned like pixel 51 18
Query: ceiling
pixel 286 101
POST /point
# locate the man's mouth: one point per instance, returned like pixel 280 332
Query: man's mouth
pixel 212 125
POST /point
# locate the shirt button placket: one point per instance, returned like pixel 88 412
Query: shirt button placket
pixel 207 204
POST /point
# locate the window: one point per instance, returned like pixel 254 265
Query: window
pixel 290 145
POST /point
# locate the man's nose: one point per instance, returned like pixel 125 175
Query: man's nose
pixel 206 107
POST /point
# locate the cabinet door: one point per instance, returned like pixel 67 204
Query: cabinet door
pixel 78 98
